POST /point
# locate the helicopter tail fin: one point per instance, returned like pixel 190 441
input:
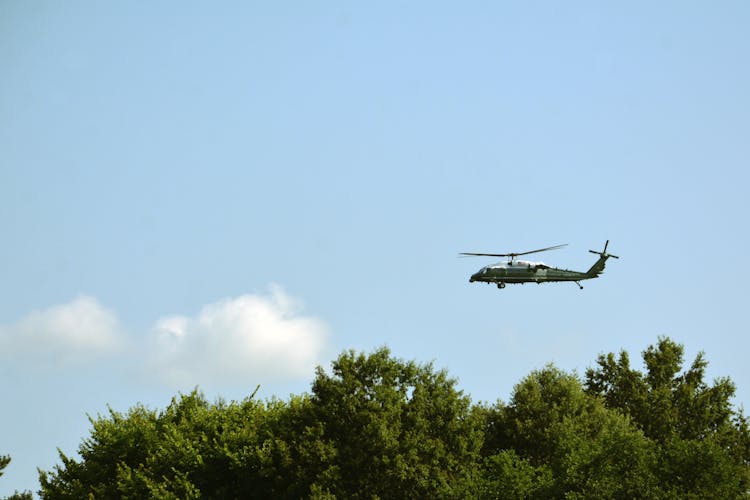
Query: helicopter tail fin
pixel 598 266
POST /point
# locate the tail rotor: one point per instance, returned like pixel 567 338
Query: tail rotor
pixel 598 266
pixel 604 253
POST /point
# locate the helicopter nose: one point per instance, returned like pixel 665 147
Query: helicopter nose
pixel 473 278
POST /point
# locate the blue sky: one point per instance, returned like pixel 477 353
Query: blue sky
pixel 227 195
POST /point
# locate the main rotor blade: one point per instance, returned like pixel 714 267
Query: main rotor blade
pixel 468 254
pixel 543 249
pixel 512 254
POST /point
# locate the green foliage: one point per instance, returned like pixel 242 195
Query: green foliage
pixel 26 495
pixel 539 402
pixel 506 475
pixel 379 427
pixel 664 403
pixel 4 461
pixel 568 444
pixel 192 449
pixel 399 429
pixel 702 444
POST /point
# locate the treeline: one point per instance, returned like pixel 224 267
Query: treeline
pixel 382 427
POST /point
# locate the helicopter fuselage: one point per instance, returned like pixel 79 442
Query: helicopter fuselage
pixel 522 271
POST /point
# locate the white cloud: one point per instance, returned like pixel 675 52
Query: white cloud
pixel 80 331
pixel 250 338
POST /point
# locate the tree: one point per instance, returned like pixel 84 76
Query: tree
pixel 507 476
pixel 399 429
pixel 703 444
pixel 4 461
pixel 191 449
pixel 553 440
pixel 379 427
pixel 26 495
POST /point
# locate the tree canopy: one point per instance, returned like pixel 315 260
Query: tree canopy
pixel 4 461
pixel 26 495
pixel 376 426
pixel 702 443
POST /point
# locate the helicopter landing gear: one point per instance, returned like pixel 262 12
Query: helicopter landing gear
pixel 501 285
pixel 579 285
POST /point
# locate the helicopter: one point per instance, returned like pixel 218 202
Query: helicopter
pixel 523 271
